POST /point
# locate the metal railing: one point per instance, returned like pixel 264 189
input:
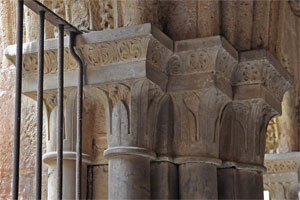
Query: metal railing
pixel 63 26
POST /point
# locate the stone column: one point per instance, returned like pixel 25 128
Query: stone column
pixel 134 85
pixel 259 85
pixel 69 146
pixel 199 87
pixel 129 142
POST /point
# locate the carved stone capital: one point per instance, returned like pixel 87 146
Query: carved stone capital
pixel 111 55
pixel 202 63
pixel 243 131
pixel 132 112
pixel 259 75
pixel 199 86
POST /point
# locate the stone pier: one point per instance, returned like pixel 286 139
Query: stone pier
pixel 184 119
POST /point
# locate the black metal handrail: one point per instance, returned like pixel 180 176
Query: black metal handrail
pixel 63 26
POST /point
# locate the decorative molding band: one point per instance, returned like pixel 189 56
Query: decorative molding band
pixel 67 155
pixel 125 150
pixel 243 166
pixel 284 162
pixel 189 159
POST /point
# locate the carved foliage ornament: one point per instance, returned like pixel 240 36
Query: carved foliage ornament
pixel 30 63
pixel 101 54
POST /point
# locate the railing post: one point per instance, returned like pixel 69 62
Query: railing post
pixel 39 136
pixel 18 91
pixel 79 117
pixel 60 118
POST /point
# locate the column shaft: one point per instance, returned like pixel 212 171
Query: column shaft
pixel 129 177
pixel 240 184
pixel 198 181
pixel 164 180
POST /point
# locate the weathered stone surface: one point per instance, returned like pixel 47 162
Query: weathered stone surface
pixel 282 180
pixel 129 177
pixel 100 182
pixel 239 184
pixel 197 181
pixel 245 24
pixel 164 180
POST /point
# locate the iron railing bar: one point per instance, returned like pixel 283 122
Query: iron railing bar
pixel 79 117
pixel 50 16
pixel 60 106
pixel 18 91
pixel 39 136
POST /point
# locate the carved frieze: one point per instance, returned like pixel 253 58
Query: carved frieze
pixel 102 54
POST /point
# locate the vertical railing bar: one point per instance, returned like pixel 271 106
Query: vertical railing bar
pixel 39 136
pixel 60 111
pixel 79 117
pixel 18 91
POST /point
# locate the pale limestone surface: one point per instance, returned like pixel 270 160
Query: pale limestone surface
pixel 274 30
pixel 282 179
pixel 188 81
